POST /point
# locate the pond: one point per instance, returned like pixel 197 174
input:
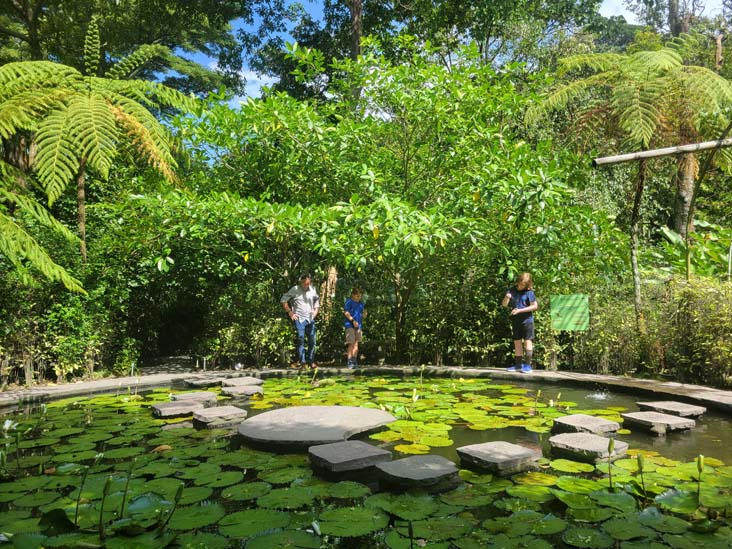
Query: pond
pixel 101 471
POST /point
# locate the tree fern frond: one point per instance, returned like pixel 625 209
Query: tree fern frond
pixel 94 131
pixel 151 147
pixel 92 48
pixel 21 111
pixel 39 213
pixel 637 113
pixel 17 244
pixel 598 62
pixel 153 94
pixel 661 60
pixel 127 66
pixel 709 88
pixel 687 43
pixel 57 160
pixel 31 74
pixel 561 97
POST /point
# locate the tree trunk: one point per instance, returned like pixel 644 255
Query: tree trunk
pixel 718 59
pixel 81 207
pixel 327 294
pixel 674 21
pixel 356 9
pixel 686 174
pixel 634 223
pixel 402 291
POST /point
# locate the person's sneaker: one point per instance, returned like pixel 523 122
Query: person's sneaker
pixel 350 365
pixel 511 369
pixel 526 369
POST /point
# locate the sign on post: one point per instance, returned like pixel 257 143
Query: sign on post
pixel 570 312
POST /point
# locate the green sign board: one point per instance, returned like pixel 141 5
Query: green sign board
pixel 570 312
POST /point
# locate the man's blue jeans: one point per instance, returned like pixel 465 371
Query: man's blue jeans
pixel 305 329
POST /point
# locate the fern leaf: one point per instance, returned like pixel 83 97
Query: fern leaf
pixel 94 130
pixel 39 213
pixel 597 62
pixel 16 244
pixel 562 97
pixel 92 48
pixel 21 111
pixel 144 54
pixel 638 115
pixel 705 87
pixel 662 60
pixel 34 74
pixel 57 160
pixel 151 145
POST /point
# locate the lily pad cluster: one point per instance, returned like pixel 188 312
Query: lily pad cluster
pixel 102 472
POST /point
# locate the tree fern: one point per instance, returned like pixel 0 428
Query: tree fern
pixel 143 55
pixel 94 131
pixel 92 48
pixel 57 159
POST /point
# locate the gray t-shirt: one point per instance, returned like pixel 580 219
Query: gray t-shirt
pixel 302 302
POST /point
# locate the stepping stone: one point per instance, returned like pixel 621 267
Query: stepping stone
pixel 656 422
pixel 429 473
pixel 499 457
pixel 203 382
pixel 243 390
pixel 673 408
pixel 300 427
pixel 200 396
pixel 180 408
pixel 179 425
pixel 241 381
pixel 219 417
pixel 350 455
pixel 586 447
pixel 583 423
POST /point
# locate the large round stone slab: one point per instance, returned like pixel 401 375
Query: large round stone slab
pixel 304 426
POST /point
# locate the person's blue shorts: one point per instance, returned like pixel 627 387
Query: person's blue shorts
pixel 523 330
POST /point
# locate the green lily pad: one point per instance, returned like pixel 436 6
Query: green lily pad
pixel 678 501
pixel 196 516
pixel 569 466
pixel 514 505
pixel 352 521
pixel 220 480
pixel 596 514
pixel 285 476
pixel 617 500
pixel 413 449
pixel 578 485
pixel 539 494
pixel 403 506
pixel 465 497
pixel 438 528
pixel 286 498
pixel 195 494
pixel 548 525
pixel 535 478
pixel 246 491
pixel 348 490
pixel 627 528
pixel 574 501
pixel 201 540
pixel 36 499
pixel 295 539
pixel 394 540
pixel 244 524
pixel 666 524
pixel 586 537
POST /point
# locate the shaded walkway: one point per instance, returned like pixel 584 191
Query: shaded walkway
pixel 705 396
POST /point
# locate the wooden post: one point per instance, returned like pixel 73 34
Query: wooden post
pixel 668 151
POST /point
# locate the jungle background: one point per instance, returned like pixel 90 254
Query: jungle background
pixel 426 150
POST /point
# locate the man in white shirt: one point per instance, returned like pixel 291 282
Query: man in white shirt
pixel 301 303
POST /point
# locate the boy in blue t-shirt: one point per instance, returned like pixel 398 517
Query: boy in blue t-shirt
pixel 355 312
pixel 522 303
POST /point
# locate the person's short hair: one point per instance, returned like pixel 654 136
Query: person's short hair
pixel 357 290
pixel 303 276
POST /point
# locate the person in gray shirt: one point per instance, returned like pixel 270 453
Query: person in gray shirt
pixel 301 303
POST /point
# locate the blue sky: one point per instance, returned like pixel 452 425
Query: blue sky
pixel 616 7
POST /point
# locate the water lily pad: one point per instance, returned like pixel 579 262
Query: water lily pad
pixel 678 501
pixel 574 501
pixel 286 498
pixel 438 528
pixel 36 499
pixel 535 478
pixel 414 449
pixel 394 540
pixel 667 524
pixel 220 480
pixel 586 537
pixel 348 490
pixel 539 494
pixel 246 491
pixel 404 506
pixel 123 453
pixel 195 494
pixel 295 539
pixel 548 525
pixel 285 476
pixel 466 497
pixel 627 528
pixel 196 516
pixel 569 466
pixel 595 514
pixel 617 500
pixel 514 505
pixel 577 485
pixel 352 521
pixel 250 522
pixel 202 540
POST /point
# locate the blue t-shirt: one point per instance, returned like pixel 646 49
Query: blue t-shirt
pixel 355 309
pixel 520 299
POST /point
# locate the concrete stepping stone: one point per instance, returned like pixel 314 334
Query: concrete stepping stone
pixel 673 408
pixel 203 382
pixel 586 447
pixel 583 423
pixel 181 408
pixel 241 381
pixel 428 473
pixel 350 455
pixel 657 423
pixel 219 417
pixel 199 396
pixel 499 457
pixel 300 427
pixel 179 425
pixel 243 390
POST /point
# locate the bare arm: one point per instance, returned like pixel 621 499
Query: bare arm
pixel 530 309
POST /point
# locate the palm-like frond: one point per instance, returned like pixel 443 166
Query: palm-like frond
pixel 596 62
pixel 94 131
pixel 29 75
pixel 142 55
pixel 92 48
pixel 635 105
pixel 704 87
pixel 16 244
pixel 57 159
pixel 32 208
pixel 657 61
pixel 562 97
pixel 21 112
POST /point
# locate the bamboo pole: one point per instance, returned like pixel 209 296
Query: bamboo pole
pixel 655 153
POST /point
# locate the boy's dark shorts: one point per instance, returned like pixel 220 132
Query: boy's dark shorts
pixel 523 330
